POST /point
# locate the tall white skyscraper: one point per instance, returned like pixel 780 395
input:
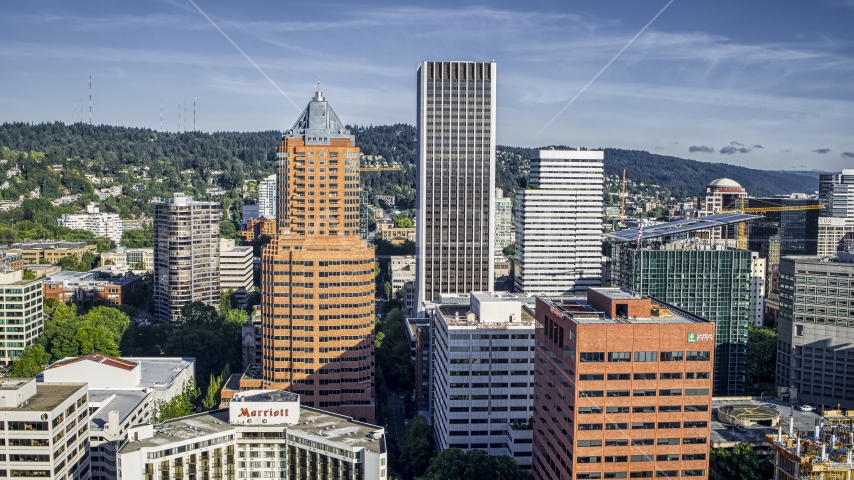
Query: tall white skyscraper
pixel 267 197
pixel 836 193
pixel 456 178
pixel 559 224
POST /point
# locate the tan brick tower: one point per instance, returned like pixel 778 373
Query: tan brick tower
pixel 317 288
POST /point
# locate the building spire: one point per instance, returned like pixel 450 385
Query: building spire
pixel 318 97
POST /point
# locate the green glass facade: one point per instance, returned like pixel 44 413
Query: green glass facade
pixel 712 284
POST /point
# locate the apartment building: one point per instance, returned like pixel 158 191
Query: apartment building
pixel 186 255
pixel 267 197
pixel 46 432
pixel 123 393
pixel 236 270
pixel 23 312
pixel 815 331
pixel 482 375
pixel 101 224
pixel 261 434
pixel 50 251
pixel 757 290
pixel 455 213
pixel 559 224
pixel 78 287
pixel 623 388
pixel 252 229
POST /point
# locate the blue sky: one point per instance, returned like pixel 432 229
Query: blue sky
pixel 763 84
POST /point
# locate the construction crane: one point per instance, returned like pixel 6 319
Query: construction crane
pixel 623 197
pixel 742 231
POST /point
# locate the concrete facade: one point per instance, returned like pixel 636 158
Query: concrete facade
pixel 455 180
pixel 559 224
pixel 830 232
pixel 757 290
pixel 482 375
pixel 47 429
pixel 267 198
pixel 815 332
pixel 235 270
pixel 231 440
pixel 627 396
pixel 505 233
pixel 101 224
pixel 401 269
pixel 23 310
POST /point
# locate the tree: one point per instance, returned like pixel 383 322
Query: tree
pixel 402 221
pixel 30 363
pixel 227 229
pixel 453 464
pixel 179 406
pixel 510 252
pixel 417 447
pixel 104 244
pixel 761 354
pixel 203 333
pixel 138 238
pixel 28 274
pixel 738 463
pixel 211 399
pixel 387 287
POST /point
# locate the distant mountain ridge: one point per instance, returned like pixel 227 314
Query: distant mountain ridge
pixel 239 153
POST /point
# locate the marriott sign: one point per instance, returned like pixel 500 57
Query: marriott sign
pixel 244 409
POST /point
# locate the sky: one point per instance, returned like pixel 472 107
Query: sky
pixel 763 84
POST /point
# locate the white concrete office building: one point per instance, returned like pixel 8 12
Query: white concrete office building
pixel 46 432
pixel 235 270
pixel 101 224
pixel 267 197
pixel 483 374
pixel 559 224
pixel 261 434
pixel 455 238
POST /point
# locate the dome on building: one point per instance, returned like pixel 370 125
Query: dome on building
pixel 724 183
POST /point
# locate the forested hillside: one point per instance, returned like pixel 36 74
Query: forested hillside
pixel 236 156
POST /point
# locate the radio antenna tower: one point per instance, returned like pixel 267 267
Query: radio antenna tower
pixel 194 114
pixel 75 110
pixel 161 115
pixel 179 116
pixel 90 98
pixel 185 116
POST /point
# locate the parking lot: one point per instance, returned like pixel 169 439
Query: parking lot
pixel 726 436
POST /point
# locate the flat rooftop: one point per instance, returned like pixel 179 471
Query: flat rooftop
pixel 159 372
pixel 122 401
pixel 579 311
pixel 48 396
pixel 456 316
pixel 336 428
pixel 724 435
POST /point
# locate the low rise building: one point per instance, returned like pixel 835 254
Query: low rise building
pixel 69 286
pixel 262 434
pixel 401 269
pixel 101 224
pixel 255 228
pixel 483 375
pixel 132 257
pixel 397 235
pixel 22 312
pixel 123 393
pixel 623 388
pixel 235 270
pixel 11 261
pixel 46 432
pixel 50 251
pixel 42 270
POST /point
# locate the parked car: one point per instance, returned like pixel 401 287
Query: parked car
pixel 740 428
pixel 805 408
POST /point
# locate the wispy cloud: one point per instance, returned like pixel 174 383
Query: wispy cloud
pixel 847 155
pixel 822 151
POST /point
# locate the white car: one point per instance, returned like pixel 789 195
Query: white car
pixel 805 408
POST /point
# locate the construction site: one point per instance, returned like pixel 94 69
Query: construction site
pixel 821 454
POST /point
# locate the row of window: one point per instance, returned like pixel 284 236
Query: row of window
pixel 642 425
pixel 641 409
pixel 664 392
pixel 647 474
pixel 666 457
pixel 644 376
pixel 673 356
pixel 642 442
